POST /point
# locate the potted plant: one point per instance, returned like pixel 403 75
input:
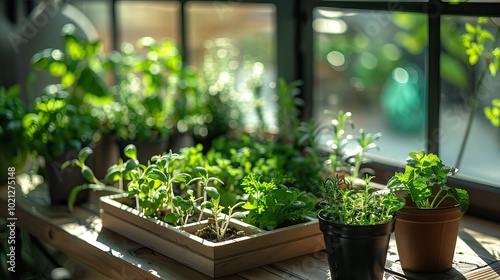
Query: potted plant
pixel 145 95
pixel 356 225
pixel 57 130
pixel 14 151
pixel 427 227
pixel 79 67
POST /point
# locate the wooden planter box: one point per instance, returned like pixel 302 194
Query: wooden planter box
pixel 259 248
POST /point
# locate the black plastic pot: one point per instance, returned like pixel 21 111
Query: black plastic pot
pixel 356 252
pixel 62 181
pixel 145 149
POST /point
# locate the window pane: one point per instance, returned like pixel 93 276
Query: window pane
pixel 137 19
pixel 372 64
pixel 99 13
pixel 241 39
pixel 463 86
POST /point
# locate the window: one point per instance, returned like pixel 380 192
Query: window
pixel 399 66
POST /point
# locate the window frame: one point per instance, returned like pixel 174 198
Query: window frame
pixel 295 40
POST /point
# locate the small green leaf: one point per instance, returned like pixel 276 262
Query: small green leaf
pixel 113 175
pixel 172 218
pixel 212 192
pixel 493 67
pixel 156 174
pixel 84 154
pixel 130 151
pixel 89 174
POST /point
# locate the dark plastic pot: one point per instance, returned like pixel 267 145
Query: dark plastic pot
pixel 356 252
pixel 62 181
pixel 145 149
pixel 426 238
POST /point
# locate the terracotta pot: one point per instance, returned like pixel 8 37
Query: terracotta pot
pixel 426 238
pixel 356 252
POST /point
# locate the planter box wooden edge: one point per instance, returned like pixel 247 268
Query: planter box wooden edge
pixel 213 259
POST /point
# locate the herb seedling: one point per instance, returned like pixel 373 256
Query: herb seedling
pixel 271 205
pixel 346 205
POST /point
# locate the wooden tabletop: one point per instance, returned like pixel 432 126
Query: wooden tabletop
pixel 81 236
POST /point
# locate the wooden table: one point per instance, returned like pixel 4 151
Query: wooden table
pixel 80 235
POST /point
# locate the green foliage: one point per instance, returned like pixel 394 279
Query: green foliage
pixel 340 159
pixel 288 113
pixel 493 113
pixel 423 172
pixel 211 201
pixel 14 149
pixel 79 65
pixel 481 44
pixel 55 124
pixel 272 205
pixel 148 87
pixel 342 203
pixel 476 43
pixel 153 186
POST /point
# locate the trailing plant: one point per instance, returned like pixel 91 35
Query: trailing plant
pixel 88 174
pixel 422 173
pixel 343 203
pixel 272 205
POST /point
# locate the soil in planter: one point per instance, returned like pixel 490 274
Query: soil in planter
pixel 209 233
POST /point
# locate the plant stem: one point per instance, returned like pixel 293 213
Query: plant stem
pixel 474 104
pixel 436 197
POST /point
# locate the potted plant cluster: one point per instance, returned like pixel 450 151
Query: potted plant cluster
pixel 356 225
pixel 60 121
pixel 56 131
pixel 427 227
pixel 144 95
pixel 180 212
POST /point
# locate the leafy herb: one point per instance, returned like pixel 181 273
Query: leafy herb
pixel 272 205
pixel 423 172
pixel 346 205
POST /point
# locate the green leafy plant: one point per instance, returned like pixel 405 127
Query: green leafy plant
pixel 146 89
pixel 14 151
pixel 79 65
pixel 153 186
pixel 344 204
pixel 272 205
pixel 288 114
pixel 422 173
pixel 341 159
pixel 221 220
pixel 54 124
